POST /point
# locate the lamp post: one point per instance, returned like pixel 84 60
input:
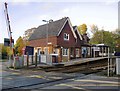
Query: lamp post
pixel 102 40
pixel 46 36
pixel 108 62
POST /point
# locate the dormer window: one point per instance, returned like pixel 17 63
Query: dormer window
pixel 66 36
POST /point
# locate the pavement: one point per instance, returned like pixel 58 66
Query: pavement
pixel 18 78
pixel 89 83
pixel 82 60
pixel 70 62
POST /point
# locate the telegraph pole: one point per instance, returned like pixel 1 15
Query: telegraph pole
pixel 9 29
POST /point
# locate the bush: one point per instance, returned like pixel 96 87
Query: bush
pixel 4 55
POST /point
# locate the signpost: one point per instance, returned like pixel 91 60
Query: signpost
pixel 7 42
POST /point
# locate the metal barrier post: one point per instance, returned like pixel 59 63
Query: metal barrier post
pixel 36 59
pixel 32 59
pixel 108 63
pixel 27 59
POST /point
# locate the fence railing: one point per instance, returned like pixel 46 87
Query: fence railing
pixel 46 59
pixel 28 60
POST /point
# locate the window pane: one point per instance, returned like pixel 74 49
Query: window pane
pixel 65 51
pixel 66 36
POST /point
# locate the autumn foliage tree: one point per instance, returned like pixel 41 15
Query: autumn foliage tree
pixel 19 45
pixel 3 51
pixel 82 28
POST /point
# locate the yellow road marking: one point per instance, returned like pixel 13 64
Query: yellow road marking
pixel 15 73
pixel 2 70
pixel 8 78
pixel 36 76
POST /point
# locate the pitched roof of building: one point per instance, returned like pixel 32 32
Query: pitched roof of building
pixel 53 28
pixel 75 28
pixel 86 38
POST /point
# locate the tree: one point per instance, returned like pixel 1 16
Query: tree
pixel 19 45
pixel 5 51
pixel 82 28
pixel 94 28
pixel 104 37
pixel 117 39
pixel 28 33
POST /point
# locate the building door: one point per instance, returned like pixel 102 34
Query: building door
pixel 72 52
pixel 77 52
pixel 84 52
pixel 38 51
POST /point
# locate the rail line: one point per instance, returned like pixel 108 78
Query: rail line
pixel 85 68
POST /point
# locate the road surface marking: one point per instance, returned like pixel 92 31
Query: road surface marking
pixel 36 76
pixel 2 71
pixel 16 73
pixel 55 77
pixel 71 86
pixel 98 81
pixel 9 78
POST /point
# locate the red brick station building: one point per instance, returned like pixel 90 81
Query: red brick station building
pixel 61 38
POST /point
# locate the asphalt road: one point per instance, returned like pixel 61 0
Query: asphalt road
pixel 36 79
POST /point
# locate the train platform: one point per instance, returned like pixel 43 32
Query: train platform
pixel 71 62
pixel 80 61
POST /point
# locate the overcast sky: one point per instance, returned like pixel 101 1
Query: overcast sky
pixel 26 14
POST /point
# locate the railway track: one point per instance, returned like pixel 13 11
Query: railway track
pixel 85 68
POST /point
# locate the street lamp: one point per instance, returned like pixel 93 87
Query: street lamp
pixel 102 40
pixel 46 35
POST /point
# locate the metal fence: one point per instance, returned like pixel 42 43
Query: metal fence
pixel 28 60
pixel 41 59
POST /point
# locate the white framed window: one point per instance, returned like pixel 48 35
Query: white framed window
pixel 65 51
pixel 66 36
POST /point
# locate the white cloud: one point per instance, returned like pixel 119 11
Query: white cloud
pixel 1 5
pixel 66 10
pixel 41 17
pixel 109 2
pixel 16 1
pixel 47 6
